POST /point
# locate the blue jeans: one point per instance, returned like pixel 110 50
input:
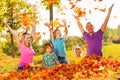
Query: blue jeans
pixel 62 60
pixel 21 68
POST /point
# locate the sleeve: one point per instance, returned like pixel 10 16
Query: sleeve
pixel 85 34
pixel 63 39
pixel 100 32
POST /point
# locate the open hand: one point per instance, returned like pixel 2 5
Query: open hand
pixel 49 26
pixel 4 21
pixel 76 17
pixel 64 21
pixel 111 7
pixel 31 65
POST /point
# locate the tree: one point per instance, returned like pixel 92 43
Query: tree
pixel 117 40
pixel 118 31
pixel 12 10
pixel 107 35
pixel 49 5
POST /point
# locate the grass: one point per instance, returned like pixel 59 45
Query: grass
pixel 112 50
pixel 7 63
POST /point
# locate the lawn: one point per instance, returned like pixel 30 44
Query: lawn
pixel 8 63
pixel 112 50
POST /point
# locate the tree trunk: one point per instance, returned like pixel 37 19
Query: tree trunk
pixel 51 12
pixel 12 40
pixel 11 24
pixel 12 46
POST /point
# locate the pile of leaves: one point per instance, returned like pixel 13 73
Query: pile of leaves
pixel 92 67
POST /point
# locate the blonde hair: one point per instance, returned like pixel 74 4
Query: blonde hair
pixel 24 34
pixel 54 33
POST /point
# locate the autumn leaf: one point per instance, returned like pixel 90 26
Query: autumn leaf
pixel 36 38
pixel 103 10
pixel 73 4
pixel 115 17
pixel 89 67
pixel 44 33
pixel 98 0
pixel 52 1
pixel 27 20
pixel 79 12
pixel 37 33
pixel 68 26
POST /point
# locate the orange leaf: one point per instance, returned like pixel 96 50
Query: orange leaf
pixel 44 33
pixel 115 17
pixel 103 10
pixel 79 12
pixel 37 33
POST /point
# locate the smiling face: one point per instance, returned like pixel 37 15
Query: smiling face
pixel 48 48
pixel 78 52
pixel 27 39
pixel 57 34
pixel 90 28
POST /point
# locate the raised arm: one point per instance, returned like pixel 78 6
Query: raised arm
pixel 66 30
pixel 103 27
pixel 33 29
pixel 79 24
pixel 33 32
pixel 13 33
pixel 50 30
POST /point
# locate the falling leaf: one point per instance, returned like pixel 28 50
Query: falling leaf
pixel 115 17
pixel 98 0
pixel 52 1
pixel 79 12
pixel 103 10
pixel 37 33
pixel 68 26
pixel 90 11
pixel 27 20
pixel 37 37
pixel 73 5
pixel 44 33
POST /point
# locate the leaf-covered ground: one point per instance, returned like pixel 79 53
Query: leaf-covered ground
pixel 89 68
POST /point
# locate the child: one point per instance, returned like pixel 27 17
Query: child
pixel 49 59
pixel 78 51
pixel 59 42
pixel 78 54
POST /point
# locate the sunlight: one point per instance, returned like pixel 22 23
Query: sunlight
pixel 96 17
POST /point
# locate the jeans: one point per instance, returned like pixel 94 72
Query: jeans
pixel 62 60
pixel 21 68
